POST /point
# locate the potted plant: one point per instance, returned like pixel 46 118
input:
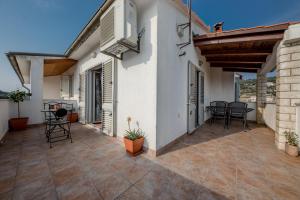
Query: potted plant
pixel 19 123
pixel 133 140
pixel 73 117
pixel 291 145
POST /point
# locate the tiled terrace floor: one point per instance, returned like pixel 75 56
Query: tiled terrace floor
pixel 211 164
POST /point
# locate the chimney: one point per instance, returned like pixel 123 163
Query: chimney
pixel 218 27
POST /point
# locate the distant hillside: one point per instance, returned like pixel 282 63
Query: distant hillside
pixel 248 88
pixel 3 95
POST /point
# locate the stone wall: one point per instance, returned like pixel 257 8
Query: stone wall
pixel 288 88
pixel 261 93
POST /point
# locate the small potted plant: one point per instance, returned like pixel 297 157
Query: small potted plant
pixel 133 140
pixel 19 123
pixel 291 145
pixel 73 117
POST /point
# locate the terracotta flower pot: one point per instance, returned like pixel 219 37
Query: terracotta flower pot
pixel 18 124
pixel 73 117
pixel 134 147
pixel 291 150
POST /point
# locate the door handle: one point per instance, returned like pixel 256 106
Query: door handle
pixel 191 112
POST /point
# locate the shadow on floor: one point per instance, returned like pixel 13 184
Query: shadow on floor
pixel 94 166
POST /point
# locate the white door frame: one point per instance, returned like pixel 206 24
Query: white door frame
pixel 199 74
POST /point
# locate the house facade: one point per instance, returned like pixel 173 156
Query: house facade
pixel 162 87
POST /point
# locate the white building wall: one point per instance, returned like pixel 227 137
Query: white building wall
pixel 221 85
pixel 32 108
pixel 4 116
pixel 136 77
pixel 172 74
pixel 269 115
pixel 52 85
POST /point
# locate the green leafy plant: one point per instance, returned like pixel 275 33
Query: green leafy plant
pixel 291 138
pixel 135 133
pixel 18 96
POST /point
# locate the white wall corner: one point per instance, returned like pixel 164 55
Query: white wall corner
pixel 298 120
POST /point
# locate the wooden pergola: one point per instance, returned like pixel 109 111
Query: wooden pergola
pixel 242 50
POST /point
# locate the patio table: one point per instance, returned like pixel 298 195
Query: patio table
pixel 56 122
pixel 210 108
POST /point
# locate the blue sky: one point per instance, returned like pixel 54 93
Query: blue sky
pixel 50 26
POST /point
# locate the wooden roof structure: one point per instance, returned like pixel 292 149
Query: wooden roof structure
pixel 242 50
pixel 55 67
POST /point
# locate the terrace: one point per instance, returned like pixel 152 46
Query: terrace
pixel 210 164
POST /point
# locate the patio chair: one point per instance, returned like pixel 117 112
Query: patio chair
pixel 49 115
pixel 57 125
pixel 238 110
pixel 218 111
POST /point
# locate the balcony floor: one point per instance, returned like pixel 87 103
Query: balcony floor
pixel 210 164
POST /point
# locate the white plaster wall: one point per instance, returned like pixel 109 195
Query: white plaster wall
pixel 4 116
pixel 32 108
pixel 52 85
pixel 172 75
pixel 136 77
pixel 269 115
pixel 221 85
pixel 252 115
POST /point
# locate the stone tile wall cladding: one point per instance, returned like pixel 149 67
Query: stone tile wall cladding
pixel 261 92
pixel 288 89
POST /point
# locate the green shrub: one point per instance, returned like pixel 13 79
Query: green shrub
pixel 291 138
pixel 18 96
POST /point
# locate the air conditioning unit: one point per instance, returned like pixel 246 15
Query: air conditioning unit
pixel 118 28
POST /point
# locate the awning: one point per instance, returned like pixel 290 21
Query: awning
pixel 242 50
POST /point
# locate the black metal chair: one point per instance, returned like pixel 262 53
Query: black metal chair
pixel 218 111
pixel 237 110
pixel 57 125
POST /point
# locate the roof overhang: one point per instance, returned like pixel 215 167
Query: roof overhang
pixel 90 31
pixel 89 28
pixel 242 50
pixel 54 64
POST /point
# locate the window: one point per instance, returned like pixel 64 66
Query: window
pixel 67 87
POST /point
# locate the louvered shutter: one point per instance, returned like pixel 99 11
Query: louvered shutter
pixel 107 105
pixel 107 27
pixel 193 85
pixel 82 86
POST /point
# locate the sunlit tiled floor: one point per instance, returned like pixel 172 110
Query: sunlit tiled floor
pixel 213 163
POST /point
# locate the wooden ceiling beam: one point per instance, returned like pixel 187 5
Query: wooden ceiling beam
pixel 224 59
pixel 255 38
pixel 236 53
pixel 239 70
pixel 238 67
pixel 246 31
pixel 59 61
pixel 237 62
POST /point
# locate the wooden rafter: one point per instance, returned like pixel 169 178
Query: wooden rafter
pixel 243 50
